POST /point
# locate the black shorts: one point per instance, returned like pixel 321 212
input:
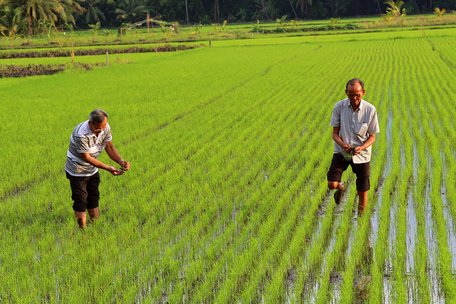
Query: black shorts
pixel 84 191
pixel 339 164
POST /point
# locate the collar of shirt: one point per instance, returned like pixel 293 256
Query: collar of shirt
pixel 88 132
pixel 361 104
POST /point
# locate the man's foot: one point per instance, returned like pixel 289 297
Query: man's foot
pixel 339 193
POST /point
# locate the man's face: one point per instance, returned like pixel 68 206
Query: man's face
pixel 355 93
pixel 98 127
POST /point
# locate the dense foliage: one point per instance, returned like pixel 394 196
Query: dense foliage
pixel 39 16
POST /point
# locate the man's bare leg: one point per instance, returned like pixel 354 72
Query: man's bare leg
pixel 362 205
pixel 81 218
pixel 335 185
pixel 340 190
pixel 94 213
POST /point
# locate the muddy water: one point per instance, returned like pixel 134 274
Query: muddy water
pixel 312 285
pixel 411 245
pixel 386 171
pixel 411 235
pixel 412 288
pixel 436 292
pixel 450 225
pixel 387 282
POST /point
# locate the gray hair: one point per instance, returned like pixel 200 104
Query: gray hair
pixel 97 116
pixel 353 81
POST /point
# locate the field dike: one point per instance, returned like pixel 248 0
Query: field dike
pixel 16 71
pixel 93 52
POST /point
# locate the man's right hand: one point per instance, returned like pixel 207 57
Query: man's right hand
pixel 114 171
pixel 347 148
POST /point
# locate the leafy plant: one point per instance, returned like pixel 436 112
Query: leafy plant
pixel 95 28
pixel 11 22
pixel 439 12
pixel 395 9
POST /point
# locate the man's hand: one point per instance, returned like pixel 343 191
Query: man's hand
pixel 114 171
pixel 125 165
pixel 357 150
pixel 347 148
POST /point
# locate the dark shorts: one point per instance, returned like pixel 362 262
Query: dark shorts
pixel 84 191
pixel 339 164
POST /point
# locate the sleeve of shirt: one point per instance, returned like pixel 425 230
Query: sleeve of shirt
pixel 82 144
pixel 335 117
pixel 108 136
pixel 373 127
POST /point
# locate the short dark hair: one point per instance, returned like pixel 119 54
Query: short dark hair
pixel 97 116
pixel 353 81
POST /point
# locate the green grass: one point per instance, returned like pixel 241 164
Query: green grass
pixel 226 200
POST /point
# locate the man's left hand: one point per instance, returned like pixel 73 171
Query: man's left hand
pixel 125 165
pixel 357 150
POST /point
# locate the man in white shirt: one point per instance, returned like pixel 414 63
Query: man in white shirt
pixel 87 141
pixel 355 124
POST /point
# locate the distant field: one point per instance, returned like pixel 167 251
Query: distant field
pixel 227 200
pixel 225 30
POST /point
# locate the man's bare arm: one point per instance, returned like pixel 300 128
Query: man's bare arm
pixel 115 156
pixel 336 137
pixel 366 144
pixel 96 163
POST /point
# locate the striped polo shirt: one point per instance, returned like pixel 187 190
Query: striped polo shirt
pixel 355 127
pixel 83 140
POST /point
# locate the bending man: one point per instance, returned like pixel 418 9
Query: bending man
pixel 87 141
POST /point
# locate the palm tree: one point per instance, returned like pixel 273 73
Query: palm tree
pixel 72 7
pixel 10 21
pixel 39 13
pixel 186 12
pixel 303 5
pixel 129 10
pixel 93 13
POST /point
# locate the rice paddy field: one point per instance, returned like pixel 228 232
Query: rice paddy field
pixel 227 198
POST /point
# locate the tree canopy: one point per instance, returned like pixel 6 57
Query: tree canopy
pixel 33 16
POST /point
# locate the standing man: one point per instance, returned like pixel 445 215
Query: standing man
pixel 87 141
pixel 355 124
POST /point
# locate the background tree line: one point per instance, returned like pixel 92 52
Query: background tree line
pixel 38 16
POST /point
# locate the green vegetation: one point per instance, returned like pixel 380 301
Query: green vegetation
pixel 227 199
